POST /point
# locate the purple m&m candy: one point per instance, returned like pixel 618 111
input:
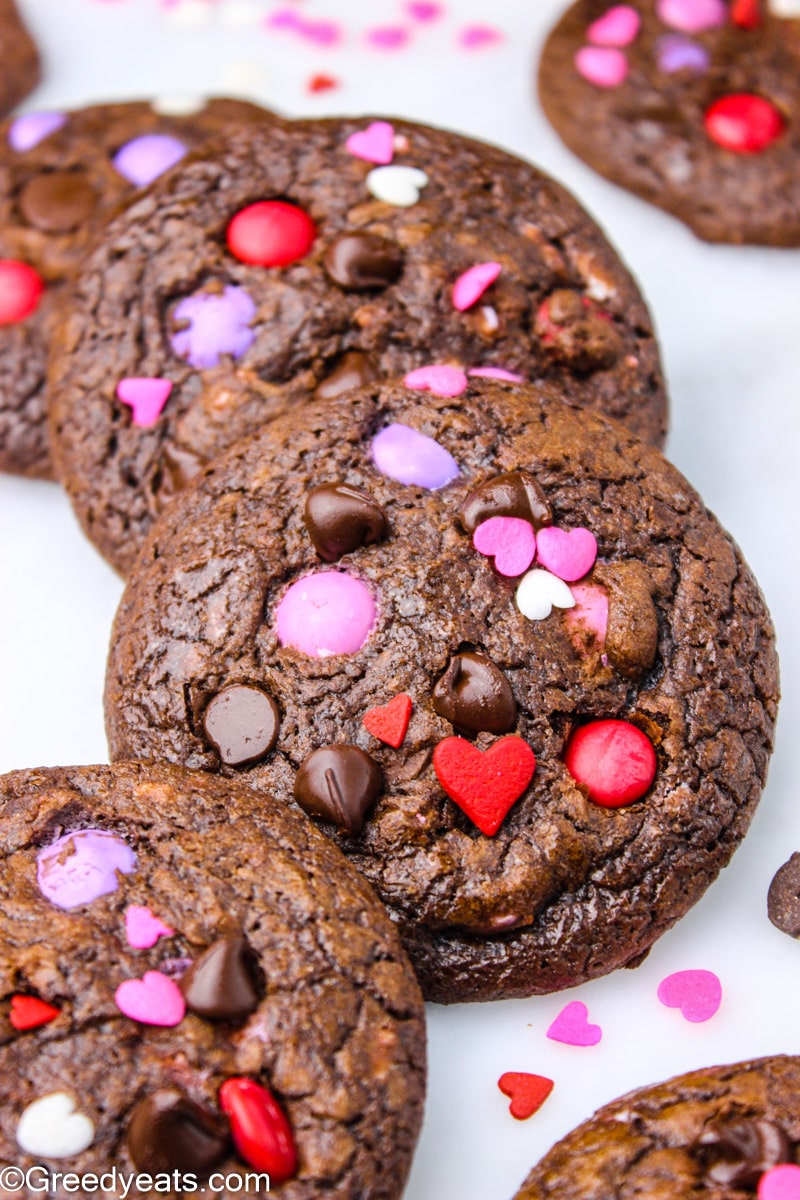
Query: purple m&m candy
pixel 81 866
pixel 411 457
pixel 677 53
pixel 217 323
pixel 31 128
pixel 326 613
pixel 145 158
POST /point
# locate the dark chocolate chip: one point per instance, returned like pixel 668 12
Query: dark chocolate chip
pixel 783 898
pixel 221 983
pixel 169 1132
pixel 353 370
pixel 340 783
pixel 57 202
pixel 341 518
pixel 735 1154
pixel 178 468
pixel 242 723
pixel 475 696
pixel 632 634
pixel 516 494
pixel 359 261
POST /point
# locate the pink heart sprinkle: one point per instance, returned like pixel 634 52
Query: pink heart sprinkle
pixel 152 1000
pixel 476 37
pixel 602 65
pixel 146 396
pixel 324 33
pixel 424 12
pixel 692 16
pixel 374 144
pixel 572 1027
pixel 442 381
pixel 698 994
pixel 618 27
pixel 510 541
pixel 780 1183
pixel 388 37
pixel 142 929
pixel 470 286
pixel 569 554
pixel 496 373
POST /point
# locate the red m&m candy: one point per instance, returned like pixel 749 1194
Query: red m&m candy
pixel 744 123
pixel 260 1131
pixel 271 233
pixel 613 759
pixel 20 289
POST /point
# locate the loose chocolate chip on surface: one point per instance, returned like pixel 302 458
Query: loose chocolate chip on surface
pixel 340 783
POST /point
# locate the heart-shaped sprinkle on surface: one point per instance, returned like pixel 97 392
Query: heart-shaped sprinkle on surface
pixel 29 1012
pixel 440 380
pixel 573 1028
pixel 259 1128
pixel 692 16
pixel 746 13
pixel 51 1127
pixel 419 10
pixel 569 554
pixel 540 592
pixel 780 1183
pixel 510 541
pixel 142 929
pixel 613 759
pixel 470 286
pixel 389 722
pixel 496 373
pixel 153 1000
pixel 479 37
pixel 617 27
pixel 413 458
pixel 145 396
pixel 527 1092
pixel 484 784
pixel 603 66
pixel 698 994
pixel 374 144
pixel 677 53
pixel 398 186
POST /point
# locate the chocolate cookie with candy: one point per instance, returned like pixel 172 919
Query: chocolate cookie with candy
pixel 496 647
pixel 194 980
pixel 692 104
pixel 61 175
pixel 316 256
pixel 19 58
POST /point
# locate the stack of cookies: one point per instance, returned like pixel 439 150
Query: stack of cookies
pixel 432 678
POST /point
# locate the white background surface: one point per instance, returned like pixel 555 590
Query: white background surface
pixel 729 323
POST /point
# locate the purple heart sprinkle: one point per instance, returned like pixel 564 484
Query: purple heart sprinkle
pixel 676 53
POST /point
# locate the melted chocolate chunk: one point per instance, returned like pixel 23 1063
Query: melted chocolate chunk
pixel 57 201
pixel 169 1132
pixel 340 783
pixel 737 1153
pixel 475 695
pixel 221 983
pixel 242 723
pixel 360 261
pixel 178 467
pixel 516 494
pixel 353 370
pixel 340 519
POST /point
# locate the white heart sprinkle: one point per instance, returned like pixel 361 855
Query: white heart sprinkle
pixel 784 8
pixel 178 104
pixel 51 1128
pixel 539 592
pixel 399 186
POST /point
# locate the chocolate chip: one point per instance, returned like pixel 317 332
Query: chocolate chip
pixel 515 494
pixel 178 468
pixel 783 898
pixel 221 983
pixel 632 634
pixel 169 1132
pixel 341 518
pixel 353 370
pixel 475 696
pixel 359 261
pixel 736 1154
pixel 242 723
pixel 339 783
pixel 57 202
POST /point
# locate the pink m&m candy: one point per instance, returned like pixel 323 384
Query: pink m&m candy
pixel 326 613
pixel 613 759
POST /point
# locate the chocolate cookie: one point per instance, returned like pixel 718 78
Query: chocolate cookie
pixel 195 980
pixel 712 1133
pixel 19 57
pixel 692 104
pixel 61 175
pixel 539 762
pixel 321 255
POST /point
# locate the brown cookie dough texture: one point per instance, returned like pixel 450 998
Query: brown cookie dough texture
pixel 58 185
pixel 21 67
pixel 311 997
pixel 648 134
pixel 711 1133
pixel 371 299
pixel 565 890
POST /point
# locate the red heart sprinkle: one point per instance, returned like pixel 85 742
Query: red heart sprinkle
pixel 746 13
pixel 259 1128
pixel 528 1092
pixel 322 83
pixel 389 723
pixel 484 784
pixel 29 1012
pixel 614 759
